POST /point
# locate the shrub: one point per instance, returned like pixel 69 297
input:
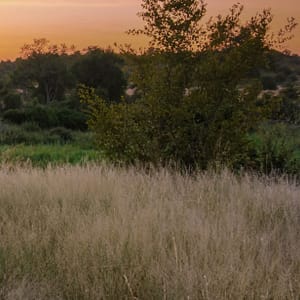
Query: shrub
pixel 64 134
pixel 30 126
pixel 44 116
pixel 269 83
pixel 289 110
pixel 84 139
pixel 275 149
pixel 12 101
pixel 16 116
pixel 48 117
pixel 11 135
pixel 71 119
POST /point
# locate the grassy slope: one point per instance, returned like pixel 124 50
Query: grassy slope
pixel 107 233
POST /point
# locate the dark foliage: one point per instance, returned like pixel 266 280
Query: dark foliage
pixel 101 70
pixel 48 117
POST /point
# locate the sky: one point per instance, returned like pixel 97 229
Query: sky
pixel 103 22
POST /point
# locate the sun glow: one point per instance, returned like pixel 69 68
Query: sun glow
pixel 102 22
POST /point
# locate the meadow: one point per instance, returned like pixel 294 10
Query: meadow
pixel 43 155
pixel 103 232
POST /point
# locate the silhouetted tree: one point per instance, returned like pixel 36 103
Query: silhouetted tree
pixel 43 70
pixel 101 69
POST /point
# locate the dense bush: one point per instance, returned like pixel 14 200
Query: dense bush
pixel 102 70
pixel 276 148
pixel 289 110
pixel 16 116
pixel 12 101
pixel 30 126
pixel 47 117
pixel 12 135
pixel 64 134
pixel 269 83
pixel 71 119
pixel 44 116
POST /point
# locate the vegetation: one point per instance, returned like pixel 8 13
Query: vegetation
pixel 111 233
pixel 43 155
pixel 275 148
pixel 194 96
pixel 101 70
pixel 43 70
pixel 194 106
pixel 47 117
pixel 202 201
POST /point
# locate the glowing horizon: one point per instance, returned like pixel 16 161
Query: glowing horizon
pixel 103 22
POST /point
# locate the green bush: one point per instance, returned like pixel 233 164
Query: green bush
pixel 44 116
pixel 84 139
pixel 48 117
pixel 275 148
pixel 16 116
pixel 12 101
pixel 30 126
pixel 71 119
pixel 64 134
pixel 12 135
pixel 269 83
pixel 289 109
pixel 121 132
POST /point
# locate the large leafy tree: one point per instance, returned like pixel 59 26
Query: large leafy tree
pixel 101 69
pixel 43 70
pixel 197 99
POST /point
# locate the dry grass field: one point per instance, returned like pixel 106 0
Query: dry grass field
pixel 110 233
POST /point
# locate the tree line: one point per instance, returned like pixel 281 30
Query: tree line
pixel 44 80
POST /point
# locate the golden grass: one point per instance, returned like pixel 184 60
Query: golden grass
pixel 111 233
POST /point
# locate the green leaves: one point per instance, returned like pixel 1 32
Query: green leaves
pixel 172 24
pixel 43 70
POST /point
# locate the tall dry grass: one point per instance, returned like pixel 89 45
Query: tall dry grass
pixel 109 233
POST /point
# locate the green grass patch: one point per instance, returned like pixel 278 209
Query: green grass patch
pixel 276 148
pixel 42 155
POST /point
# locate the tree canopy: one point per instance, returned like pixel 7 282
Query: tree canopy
pixel 101 69
pixel 43 69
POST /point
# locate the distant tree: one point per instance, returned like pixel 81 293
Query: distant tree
pixel 43 70
pixel 101 69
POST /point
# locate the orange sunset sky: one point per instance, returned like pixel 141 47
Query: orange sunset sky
pixel 103 22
